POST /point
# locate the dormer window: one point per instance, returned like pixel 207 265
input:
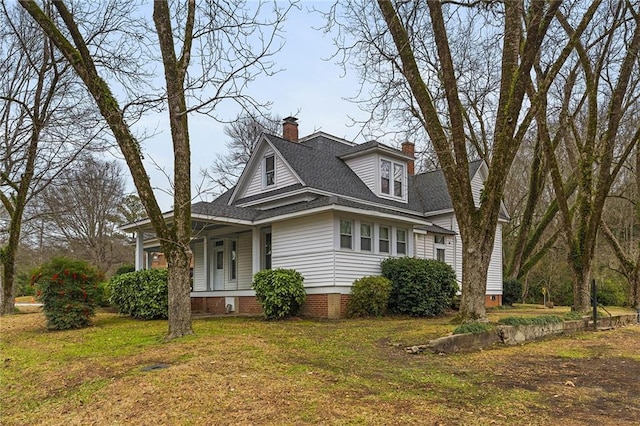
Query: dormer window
pixel 385 174
pixel 392 179
pixel 269 170
pixel 398 173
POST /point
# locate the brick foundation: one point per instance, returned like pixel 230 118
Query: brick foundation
pixel 491 301
pixel 330 306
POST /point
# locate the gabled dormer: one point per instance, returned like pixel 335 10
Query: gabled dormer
pixel 383 169
pixel 266 171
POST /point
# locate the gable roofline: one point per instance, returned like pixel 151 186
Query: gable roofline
pixel 327 136
pixel 263 139
pixel 375 146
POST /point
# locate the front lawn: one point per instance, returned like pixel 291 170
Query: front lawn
pixel 249 371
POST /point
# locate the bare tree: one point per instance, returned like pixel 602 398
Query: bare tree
pixel 230 44
pixel 594 113
pixel 242 134
pixel 628 255
pixel 459 72
pixel 45 124
pixel 82 206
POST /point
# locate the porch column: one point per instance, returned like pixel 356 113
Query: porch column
pixel 139 256
pixel 255 251
pixel 207 284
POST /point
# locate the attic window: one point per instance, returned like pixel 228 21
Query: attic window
pixel 392 179
pixel 398 172
pixel 385 172
pixel 269 170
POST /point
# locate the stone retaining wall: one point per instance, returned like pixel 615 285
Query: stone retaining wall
pixel 513 335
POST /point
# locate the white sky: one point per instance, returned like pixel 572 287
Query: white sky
pixel 308 83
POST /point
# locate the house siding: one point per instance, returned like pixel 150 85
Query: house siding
pixel 494 274
pixel 284 176
pixel 454 257
pixel 306 245
pixel 477 184
pixel 350 266
pixel 453 244
pixel 245 276
pixel 365 168
pixel 199 275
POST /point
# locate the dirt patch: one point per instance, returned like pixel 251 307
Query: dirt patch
pixel 597 383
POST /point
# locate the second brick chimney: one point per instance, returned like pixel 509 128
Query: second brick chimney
pixel 409 148
pixel 290 129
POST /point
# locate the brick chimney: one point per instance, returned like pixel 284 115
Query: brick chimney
pixel 290 129
pixel 409 148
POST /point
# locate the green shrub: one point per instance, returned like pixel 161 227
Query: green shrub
pixel 419 287
pixel 280 292
pixel 125 269
pixel 540 320
pixel 473 328
pixel 141 294
pixel 67 289
pixel 511 292
pixel 369 297
pixel 611 292
pixel 102 294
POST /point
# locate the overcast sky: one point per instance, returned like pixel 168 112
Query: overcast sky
pixel 309 86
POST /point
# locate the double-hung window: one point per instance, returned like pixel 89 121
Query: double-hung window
pixel 365 237
pixel 385 176
pixel 346 234
pixel 392 179
pixel 269 170
pixel 439 247
pixel 398 173
pixel 401 241
pixel 383 241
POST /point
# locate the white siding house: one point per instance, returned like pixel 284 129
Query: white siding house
pixel 331 210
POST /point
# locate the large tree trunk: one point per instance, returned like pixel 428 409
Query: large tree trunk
pixel 581 287
pixel 179 264
pixel 475 264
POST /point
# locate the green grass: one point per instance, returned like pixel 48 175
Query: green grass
pixel 246 370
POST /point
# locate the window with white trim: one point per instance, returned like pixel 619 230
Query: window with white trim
pixel 266 249
pixel 393 179
pixel 398 177
pixel 383 240
pixel 385 176
pixel 346 234
pixel 439 248
pixel 269 170
pixel 401 241
pixel 365 237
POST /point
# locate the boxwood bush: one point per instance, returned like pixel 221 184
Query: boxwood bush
pixel 473 328
pixel 280 292
pixel 141 294
pixel 419 287
pixel 369 297
pixel 67 290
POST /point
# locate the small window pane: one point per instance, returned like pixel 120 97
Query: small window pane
pixel 438 239
pixel 345 234
pixel 440 255
pixel 401 244
pixel 398 172
pixel 269 166
pixel 384 240
pixel 385 175
pixel 365 237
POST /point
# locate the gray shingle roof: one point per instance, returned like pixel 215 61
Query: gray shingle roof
pixel 317 162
